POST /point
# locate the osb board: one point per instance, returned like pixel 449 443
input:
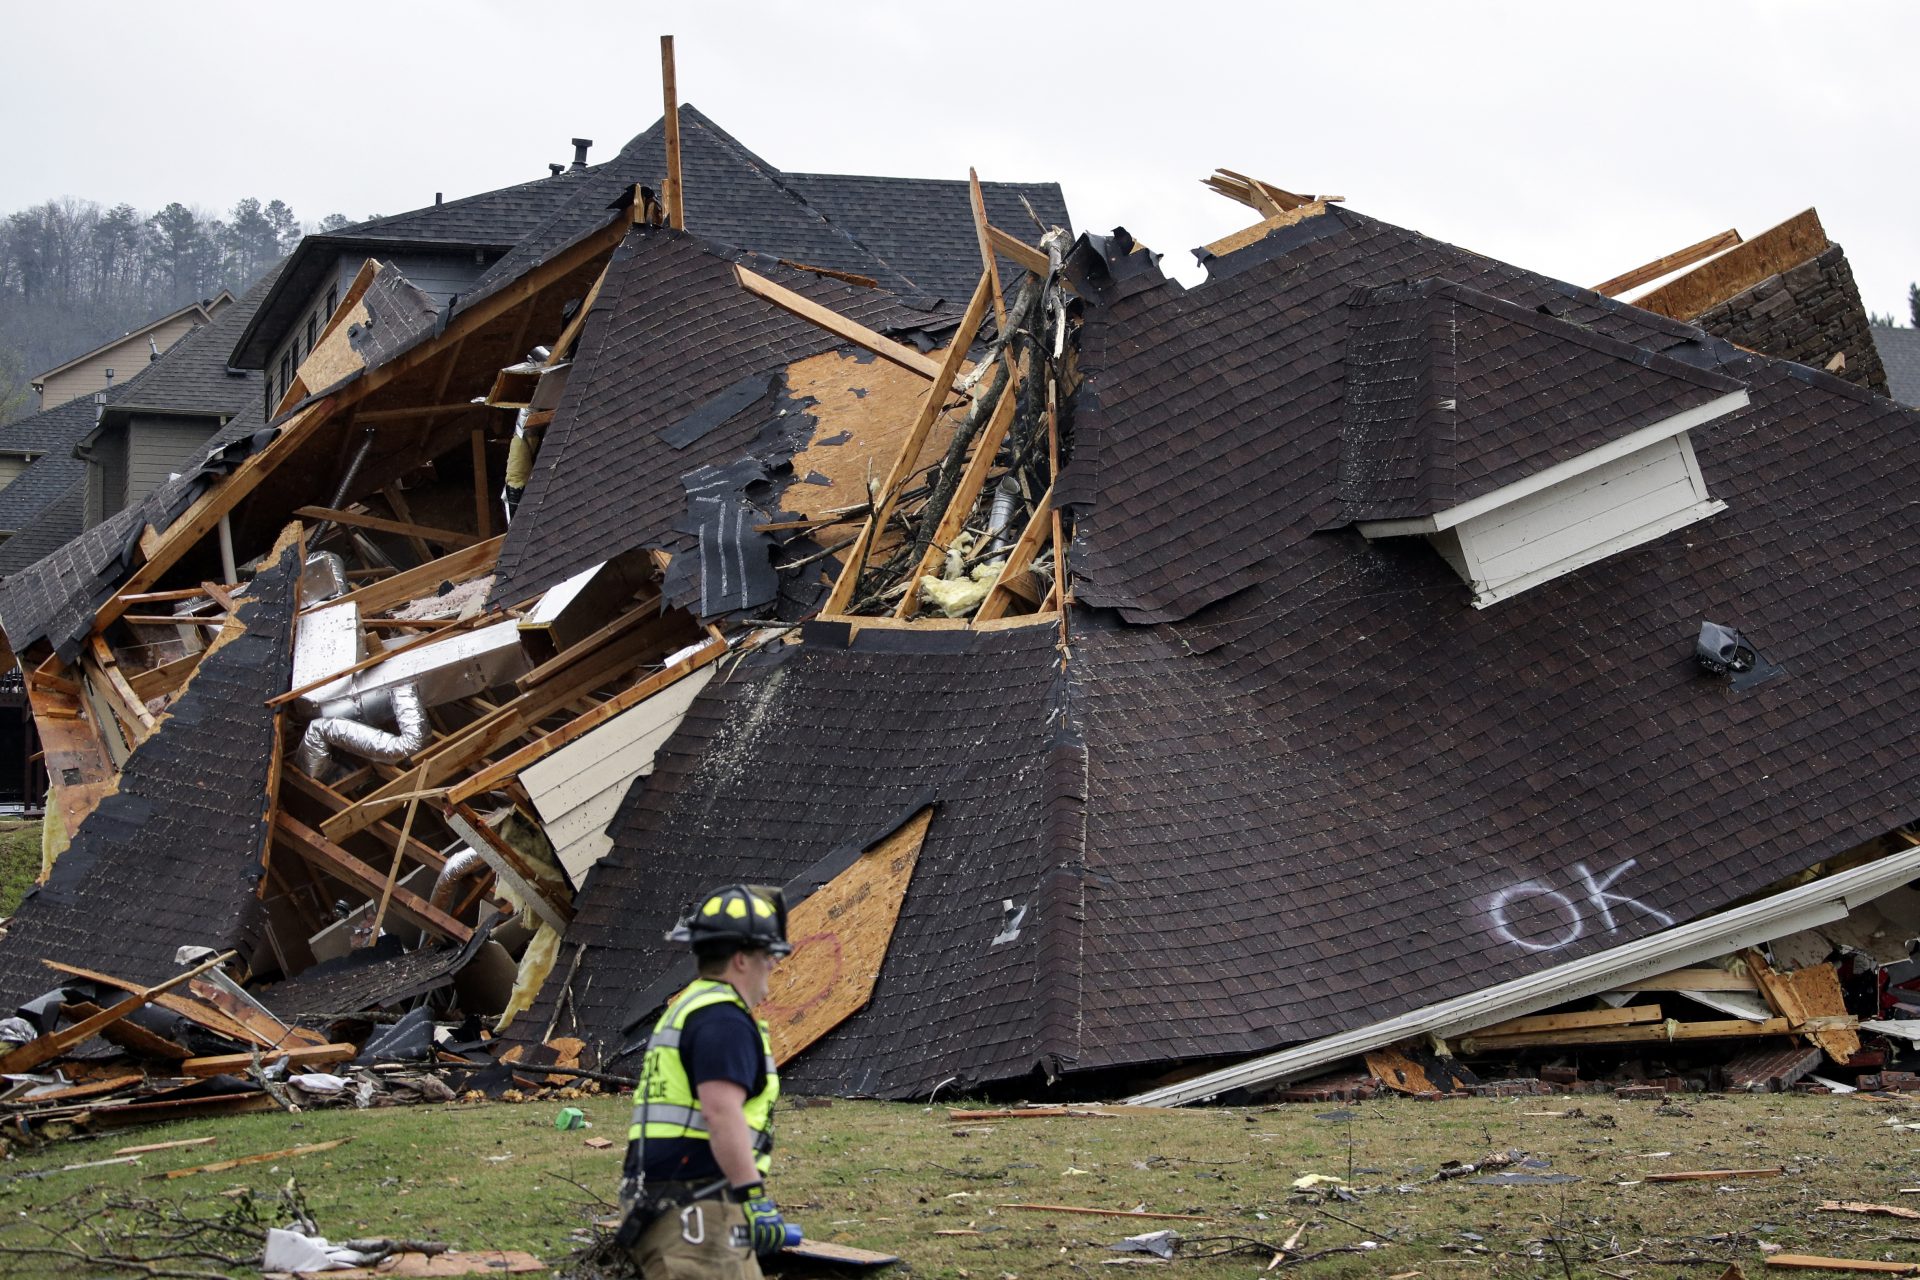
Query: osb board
pixel 1817 987
pixel 1401 1071
pixel 1261 230
pixel 1738 269
pixel 840 935
pixel 878 402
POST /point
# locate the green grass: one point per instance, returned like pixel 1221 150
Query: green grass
pixel 19 860
pixel 888 1176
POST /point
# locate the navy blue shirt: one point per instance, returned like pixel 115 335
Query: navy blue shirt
pixel 719 1042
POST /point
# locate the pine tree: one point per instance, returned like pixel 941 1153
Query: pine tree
pixel 1913 304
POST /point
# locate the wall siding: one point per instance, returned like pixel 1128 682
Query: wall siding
pixel 126 357
pixel 159 447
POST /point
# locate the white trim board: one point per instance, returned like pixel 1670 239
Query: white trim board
pixel 1788 911
pixel 1559 471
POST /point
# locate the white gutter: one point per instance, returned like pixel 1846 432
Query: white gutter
pixel 1785 912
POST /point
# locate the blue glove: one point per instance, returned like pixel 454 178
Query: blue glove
pixel 766 1229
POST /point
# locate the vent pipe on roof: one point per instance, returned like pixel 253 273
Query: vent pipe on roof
pixel 438 196
pixel 555 170
pixel 580 146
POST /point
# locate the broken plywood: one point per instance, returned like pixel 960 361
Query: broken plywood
pixel 840 935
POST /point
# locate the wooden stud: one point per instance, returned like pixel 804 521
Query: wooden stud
pixel 669 89
pixel 195 1011
pixel 482 496
pixel 51 1045
pixel 393 868
pixel 903 462
pixel 335 861
pixel 965 494
pixel 380 524
pixel 835 323
pixel 1038 532
pixel 1630 1015
pixel 1020 251
pixel 1729 1029
pixel 1694 980
pixel 638 615
pixel 403 511
pixel 220 1166
pixel 541 895
pixel 330 799
pixel 1679 258
pixel 411 584
pixel 989 264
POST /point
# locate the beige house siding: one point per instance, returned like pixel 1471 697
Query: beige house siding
pixel 157 448
pixel 10 469
pixel 125 357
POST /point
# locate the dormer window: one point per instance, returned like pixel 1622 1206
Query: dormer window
pixel 1522 447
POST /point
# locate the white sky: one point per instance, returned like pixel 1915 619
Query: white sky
pixel 1579 139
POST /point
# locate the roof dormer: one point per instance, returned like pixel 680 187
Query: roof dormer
pixel 1521 446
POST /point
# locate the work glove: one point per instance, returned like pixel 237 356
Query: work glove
pixel 766 1229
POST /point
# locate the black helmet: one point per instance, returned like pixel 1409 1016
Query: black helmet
pixel 736 917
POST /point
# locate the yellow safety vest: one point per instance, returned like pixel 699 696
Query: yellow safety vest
pixel 665 1104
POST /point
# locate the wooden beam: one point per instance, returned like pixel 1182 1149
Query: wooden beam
pixel 335 861
pixel 1038 532
pixel 903 462
pixel 638 615
pixel 422 580
pixel 303 1055
pixel 1631 1015
pixel 541 895
pixel 989 264
pixel 126 704
pixel 966 493
pixel 1651 271
pixel 403 511
pixel 265 1157
pixel 393 868
pixel 675 198
pixel 333 802
pixel 412 412
pixel 1694 980
pixel 1730 1029
pixel 1774 250
pixel 835 323
pixel 50 1046
pixel 195 1011
pixel 482 495
pixel 495 774
pixel 380 524
pixel 1020 251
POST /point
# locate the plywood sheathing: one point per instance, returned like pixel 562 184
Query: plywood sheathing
pixel 1260 230
pixel 1734 272
pixel 872 404
pixel 840 935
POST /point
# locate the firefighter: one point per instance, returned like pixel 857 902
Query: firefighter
pixel 701 1140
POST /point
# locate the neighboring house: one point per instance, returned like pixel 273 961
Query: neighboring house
pixel 126 355
pixel 1900 353
pixel 913 235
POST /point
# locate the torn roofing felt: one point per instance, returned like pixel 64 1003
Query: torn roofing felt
pixel 171 858
pixel 786 762
pixel 678 369
pixel 1451 394
pixel 1327 790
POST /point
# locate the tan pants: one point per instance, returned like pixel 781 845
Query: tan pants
pixel 698 1243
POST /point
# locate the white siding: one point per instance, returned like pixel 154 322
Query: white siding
pixel 1617 505
pixel 577 788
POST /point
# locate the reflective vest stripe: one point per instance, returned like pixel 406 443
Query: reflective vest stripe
pixel 666 1105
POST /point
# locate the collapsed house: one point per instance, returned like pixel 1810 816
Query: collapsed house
pixel 1373 646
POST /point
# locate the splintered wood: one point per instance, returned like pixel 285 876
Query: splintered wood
pixel 840 935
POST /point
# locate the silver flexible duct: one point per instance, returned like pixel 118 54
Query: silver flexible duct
pixel 363 740
pixel 459 867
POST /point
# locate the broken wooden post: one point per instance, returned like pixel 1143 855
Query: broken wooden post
pixel 675 200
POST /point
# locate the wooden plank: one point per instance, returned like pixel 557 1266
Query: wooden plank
pixel 306 1055
pixel 50 1046
pixel 1108 1213
pixel 422 580
pixel 220 1166
pixel 989 263
pixel 1714 1175
pixel 164 679
pixel 548 900
pixel 1730 1029
pixel 638 615
pixel 150 1147
pixel 399 854
pixel 1774 250
pixel 965 494
pixel 1091 1112
pixel 380 524
pixel 1816 1262
pixel 1038 532
pixel 1261 230
pixel 194 1011
pixel 1865 1207
pixel 333 801
pixel 1630 1015
pixel 130 1036
pixel 495 774
pixel 840 934
pixel 675 196
pixel 1817 990
pixel 1694 980
pixel 334 860
pixel 403 511
pixel 903 463
pixel 1651 271
pixel 835 323
pixel 91 1089
pixel 268 1029
pixel 1020 251
pixel 482 494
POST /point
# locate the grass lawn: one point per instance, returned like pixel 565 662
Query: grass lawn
pixel 889 1176
pixel 19 860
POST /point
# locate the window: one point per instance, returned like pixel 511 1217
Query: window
pixel 333 301
pixel 313 332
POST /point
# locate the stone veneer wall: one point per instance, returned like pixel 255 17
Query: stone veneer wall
pixel 1804 314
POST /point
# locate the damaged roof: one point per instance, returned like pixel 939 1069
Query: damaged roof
pixel 172 856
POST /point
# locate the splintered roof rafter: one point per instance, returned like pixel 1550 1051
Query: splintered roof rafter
pixel 1651 271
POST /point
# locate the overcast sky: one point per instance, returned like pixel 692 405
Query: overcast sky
pixel 1578 139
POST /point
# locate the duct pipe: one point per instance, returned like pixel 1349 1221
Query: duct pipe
pixel 363 740
pixel 230 574
pixel 346 483
pixel 461 866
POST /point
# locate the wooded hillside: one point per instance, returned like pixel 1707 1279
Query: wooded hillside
pixel 74 274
